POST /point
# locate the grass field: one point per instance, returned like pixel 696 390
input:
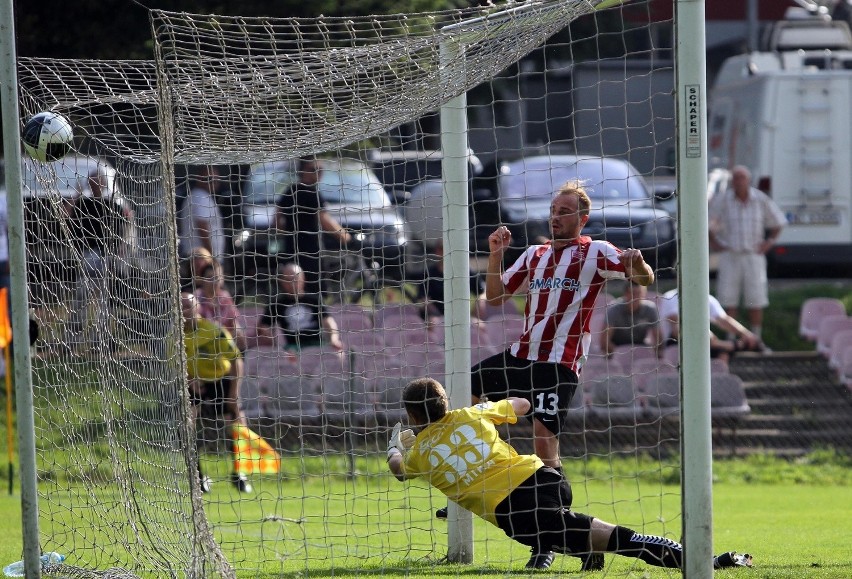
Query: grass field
pixel 794 519
pixel 792 516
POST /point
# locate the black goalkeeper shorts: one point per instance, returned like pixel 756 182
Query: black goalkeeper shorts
pixel 538 514
pixel 548 386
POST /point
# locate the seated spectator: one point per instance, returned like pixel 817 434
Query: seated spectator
pixel 632 320
pixel 744 340
pixel 300 315
pixel 216 303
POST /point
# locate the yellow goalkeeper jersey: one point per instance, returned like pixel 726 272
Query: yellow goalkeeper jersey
pixel 463 456
pixel 210 350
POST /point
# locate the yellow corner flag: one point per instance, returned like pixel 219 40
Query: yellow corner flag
pixel 252 453
pixel 5 325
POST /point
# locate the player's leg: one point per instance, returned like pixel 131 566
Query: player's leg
pixel 196 394
pixel 551 386
pixel 227 407
pixel 653 549
pixel 756 292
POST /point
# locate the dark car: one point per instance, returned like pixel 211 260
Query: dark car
pixel 623 212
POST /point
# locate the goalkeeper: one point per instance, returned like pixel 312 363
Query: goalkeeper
pixel 215 368
pixel 461 454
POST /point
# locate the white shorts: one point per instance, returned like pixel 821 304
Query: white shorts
pixel 742 274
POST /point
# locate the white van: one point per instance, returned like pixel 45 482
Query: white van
pixel 787 115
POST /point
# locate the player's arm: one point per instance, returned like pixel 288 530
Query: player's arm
pixel 395 466
pixel 498 242
pixel 332 332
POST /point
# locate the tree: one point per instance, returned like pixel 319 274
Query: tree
pixel 118 29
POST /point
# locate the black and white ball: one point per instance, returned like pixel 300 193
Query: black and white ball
pixel 47 136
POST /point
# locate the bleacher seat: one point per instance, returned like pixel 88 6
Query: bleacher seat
pixel 485 311
pixel 813 311
pixel 627 355
pixel 504 330
pixel 839 343
pixel 727 396
pixel 662 395
pixel 615 399
pixel 828 327
pixel 844 371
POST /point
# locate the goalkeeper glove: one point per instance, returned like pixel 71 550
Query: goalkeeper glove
pixel 400 440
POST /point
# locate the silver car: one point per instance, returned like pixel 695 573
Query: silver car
pixel 353 195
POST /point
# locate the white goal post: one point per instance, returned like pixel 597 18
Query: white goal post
pixel 115 445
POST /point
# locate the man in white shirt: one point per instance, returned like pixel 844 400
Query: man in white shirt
pixel 744 225
pixel 199 219
pixel 744 339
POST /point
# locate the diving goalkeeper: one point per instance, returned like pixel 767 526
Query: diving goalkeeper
pixel 463 456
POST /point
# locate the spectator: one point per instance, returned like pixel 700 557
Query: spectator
pixel 744 339
pixel 302 216
pixel 199 218
pixel 101 225
pixel 744 224
pixel 632 320
pixel 216 303
pixel 299 314
pixel 215 369
pixel 192 265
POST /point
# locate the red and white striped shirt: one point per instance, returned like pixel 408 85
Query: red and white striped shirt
pixel 562 287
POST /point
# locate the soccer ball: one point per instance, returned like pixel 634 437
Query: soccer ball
pixel 47 136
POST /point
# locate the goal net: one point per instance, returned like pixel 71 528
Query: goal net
pixel 138 454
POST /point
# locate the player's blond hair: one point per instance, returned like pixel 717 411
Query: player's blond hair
pixel 575 187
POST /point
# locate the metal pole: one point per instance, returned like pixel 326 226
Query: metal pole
pixel 20 306
pixel 694 290
pixel 753 24
pixel 456 285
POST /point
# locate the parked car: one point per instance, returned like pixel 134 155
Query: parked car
pixel 353 195
pixel 622 207
pixel 518 194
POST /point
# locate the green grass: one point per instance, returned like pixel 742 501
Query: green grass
pixel 792 516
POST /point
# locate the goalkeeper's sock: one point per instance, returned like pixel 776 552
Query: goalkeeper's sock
pixel 654 550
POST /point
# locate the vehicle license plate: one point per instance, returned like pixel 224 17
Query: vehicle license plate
pixel 814 217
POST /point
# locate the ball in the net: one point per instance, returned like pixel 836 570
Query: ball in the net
pixel 47 136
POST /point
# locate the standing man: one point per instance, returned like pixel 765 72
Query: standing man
pixel 302 216
pixel 563 278
pixel 744 225
pixel 199 219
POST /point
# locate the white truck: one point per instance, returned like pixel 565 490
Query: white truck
pixel 787 115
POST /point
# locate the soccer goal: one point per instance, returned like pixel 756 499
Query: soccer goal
pixel 417 134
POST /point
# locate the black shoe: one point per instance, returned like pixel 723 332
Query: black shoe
pixel 240 481
pixel 540 560
pixel 731 559
pixel 441 513
pixel 591 561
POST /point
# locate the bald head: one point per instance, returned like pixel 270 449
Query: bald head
pixel 741 180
